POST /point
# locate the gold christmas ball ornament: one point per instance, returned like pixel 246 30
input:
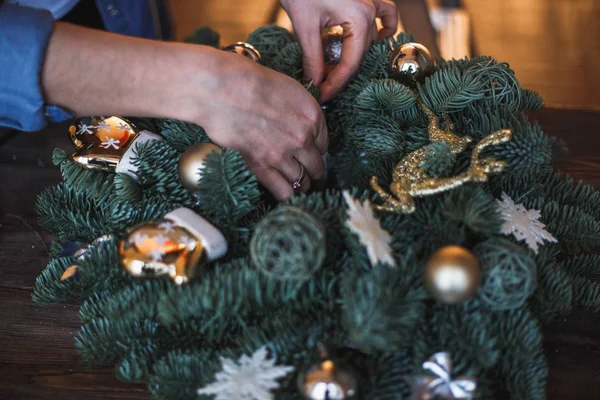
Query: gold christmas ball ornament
pixel 244 49
pixel 107 144
pixel 452 274
pixel 191 163
pixel 327 381
pixel 174 246
pixel 412 59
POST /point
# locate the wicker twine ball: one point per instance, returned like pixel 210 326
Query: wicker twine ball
pixel 509 274
pixel 288 244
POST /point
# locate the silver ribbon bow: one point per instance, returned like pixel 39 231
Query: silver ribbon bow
pixel 442 385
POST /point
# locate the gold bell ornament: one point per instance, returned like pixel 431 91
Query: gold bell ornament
pixel 411 58
pixel 107 144
pixel 452 274
pixel 174 246
pixel 244 49
pixel 191 163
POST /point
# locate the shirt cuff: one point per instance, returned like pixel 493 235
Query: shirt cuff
pixel 24 35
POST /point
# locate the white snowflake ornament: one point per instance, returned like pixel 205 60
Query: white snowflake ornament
pixel 110 142
pixel 250 378
pixel 370 233
pixel 523 224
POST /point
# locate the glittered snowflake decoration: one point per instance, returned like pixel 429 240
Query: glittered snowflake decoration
pixel 104 125
pixel 362 222
pixel 167 226
pixel 84 128
pixel 250 378
pixel 523 224
pixel 110 142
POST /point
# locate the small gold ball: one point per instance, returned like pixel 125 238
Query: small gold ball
pixel 452 274
pixel 411 58
pixel 192 162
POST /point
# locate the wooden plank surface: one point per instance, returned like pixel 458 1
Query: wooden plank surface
pixel 552 44
pixel 37 356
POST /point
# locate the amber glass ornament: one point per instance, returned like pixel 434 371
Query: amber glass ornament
pixel 175 246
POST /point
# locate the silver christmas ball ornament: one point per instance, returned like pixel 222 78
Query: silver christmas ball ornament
pixel 328 381
pixel 412 59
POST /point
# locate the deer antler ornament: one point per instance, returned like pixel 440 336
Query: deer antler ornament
pixel 411 180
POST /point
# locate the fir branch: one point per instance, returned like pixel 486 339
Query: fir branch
pixel 381 307
pixel 92 182
pixel 450 90
pixel 228 190
pixel 180 134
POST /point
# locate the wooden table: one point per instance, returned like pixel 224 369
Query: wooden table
pixel 37 356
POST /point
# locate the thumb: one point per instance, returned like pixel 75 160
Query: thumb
pixel 312 52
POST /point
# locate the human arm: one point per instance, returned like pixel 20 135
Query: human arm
pixel 270 118
pixel 357 18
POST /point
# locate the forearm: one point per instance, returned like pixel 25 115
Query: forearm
pixel 91 72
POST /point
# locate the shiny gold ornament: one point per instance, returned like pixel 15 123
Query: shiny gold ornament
pixel 244 49
pixel 410 180
pixel 327 381
pixel 107 143
pixel 173 246
pixel 411 58
pixel 452 274
pixel 192 162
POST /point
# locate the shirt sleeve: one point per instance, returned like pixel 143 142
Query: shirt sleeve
pixel 24 35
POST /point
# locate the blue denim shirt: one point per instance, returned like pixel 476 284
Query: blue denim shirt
pixel 24 35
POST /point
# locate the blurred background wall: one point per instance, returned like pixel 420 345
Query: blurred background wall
pixel 553 45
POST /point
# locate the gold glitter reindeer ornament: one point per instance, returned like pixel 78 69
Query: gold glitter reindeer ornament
pixel 411 180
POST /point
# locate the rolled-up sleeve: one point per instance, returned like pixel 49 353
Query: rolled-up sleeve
pixel 24 35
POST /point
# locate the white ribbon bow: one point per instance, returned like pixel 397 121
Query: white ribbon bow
pixel 443 385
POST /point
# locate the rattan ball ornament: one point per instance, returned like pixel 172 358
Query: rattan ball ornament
pixel 452 274
pixel 412 59
pixel 509 274
pixel 191 164
pixel 288 244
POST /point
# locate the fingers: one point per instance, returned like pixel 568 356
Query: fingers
pixel 374 33
pixel 312 52
pixel 275 183
pixel 387 11
pixel 321 137
pixel 356 39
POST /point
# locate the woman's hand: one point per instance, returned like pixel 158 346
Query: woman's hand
pixel 270 118
pixel 357 17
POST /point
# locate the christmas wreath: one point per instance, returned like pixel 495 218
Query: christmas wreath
pixel 422 267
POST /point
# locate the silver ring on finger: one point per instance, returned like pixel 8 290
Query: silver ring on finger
pixel 297 183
